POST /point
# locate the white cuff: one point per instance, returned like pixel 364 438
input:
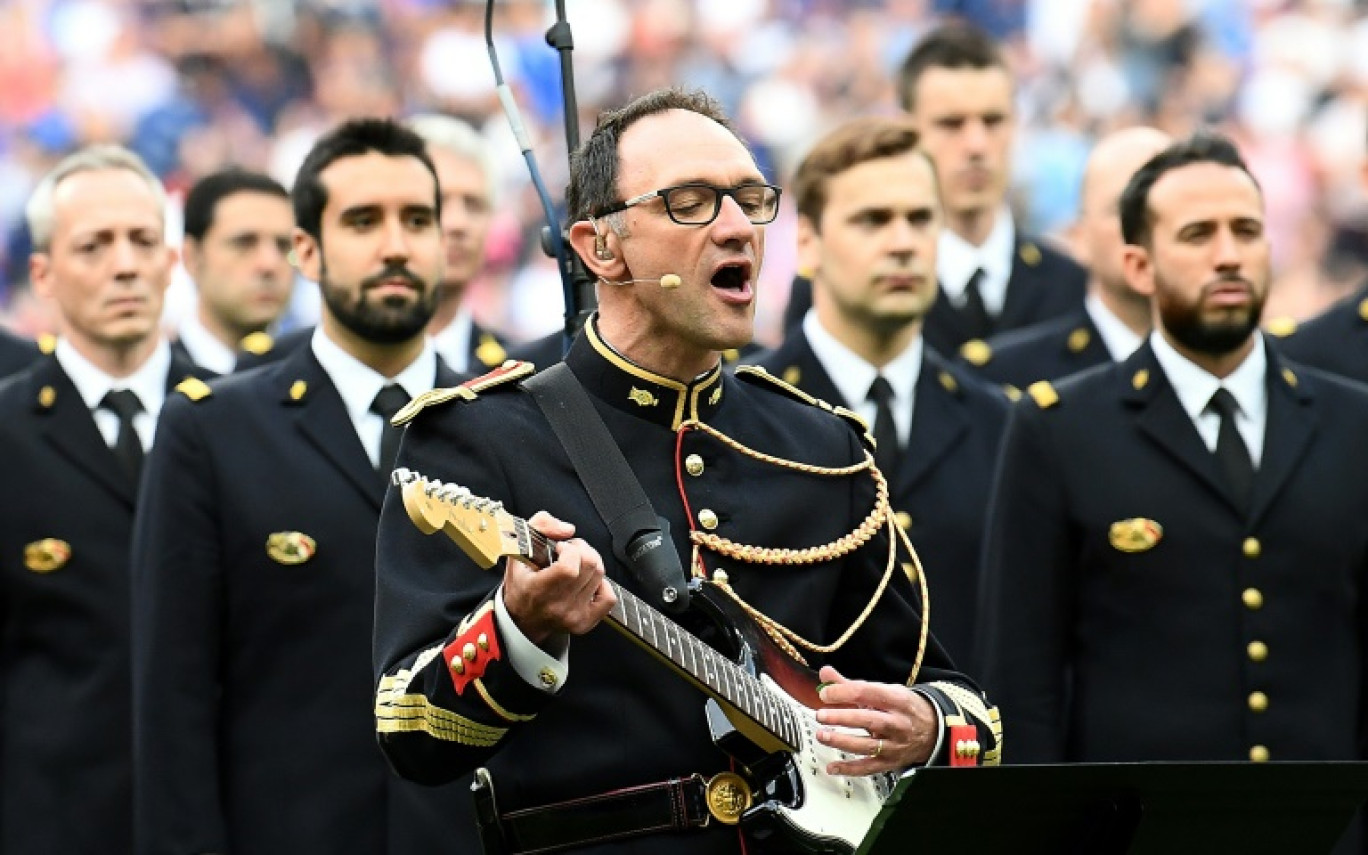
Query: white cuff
pixel 527 659
pixel 940 727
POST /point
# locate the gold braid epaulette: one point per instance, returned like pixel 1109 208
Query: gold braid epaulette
pixel 511 371
pixel 757 375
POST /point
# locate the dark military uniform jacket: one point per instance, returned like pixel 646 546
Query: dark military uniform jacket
pixel 1336 340
pixel 66 521
pixel 1045 283
pixel 622 719
pixel 1048 351
pixel 487 348
pixel 940 491
pixel 15 353
pixel 255 592
pixel 1133 613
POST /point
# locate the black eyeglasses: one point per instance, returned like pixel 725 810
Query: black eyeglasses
pixel 699 204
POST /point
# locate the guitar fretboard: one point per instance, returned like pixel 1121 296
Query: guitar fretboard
pixel 716 674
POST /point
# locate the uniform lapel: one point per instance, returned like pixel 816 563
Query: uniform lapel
pixel 1018 302
pixel 1288 432
pixel 322 418
pixel 945 327
pixel 1162 418
pixel 70 427
pixel 938 423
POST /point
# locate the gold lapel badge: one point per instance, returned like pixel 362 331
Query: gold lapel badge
pixel 642 398
pixel 46 555
pixel 290 547
pixel 1135 535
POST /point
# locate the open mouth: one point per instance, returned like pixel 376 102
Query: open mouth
pixel 733 276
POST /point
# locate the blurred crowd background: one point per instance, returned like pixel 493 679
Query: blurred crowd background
pixel 192 85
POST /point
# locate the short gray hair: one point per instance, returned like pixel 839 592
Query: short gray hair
pixel 40 211
pixel 459 138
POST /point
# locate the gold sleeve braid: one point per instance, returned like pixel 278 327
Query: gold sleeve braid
pixel 880 516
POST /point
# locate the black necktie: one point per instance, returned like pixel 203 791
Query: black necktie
pixel 1231 451
pixel 885 429
pixel 127 446
pixel 389 401
pixel 976 317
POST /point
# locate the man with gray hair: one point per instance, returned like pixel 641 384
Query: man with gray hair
pixel 73 429
pixel 466 174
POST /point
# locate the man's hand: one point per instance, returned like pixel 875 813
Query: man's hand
pixel 900 723
pixel 570 596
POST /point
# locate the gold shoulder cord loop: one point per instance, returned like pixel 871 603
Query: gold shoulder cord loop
pixel 880 516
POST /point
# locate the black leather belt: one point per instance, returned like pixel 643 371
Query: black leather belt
pixel 674 805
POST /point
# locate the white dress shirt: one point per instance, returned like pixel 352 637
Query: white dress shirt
pixel 853 376
pixel 957 259
pixel 453 342
pixel 1195 386
pixel 204 347
pixel 358 384
pixel 92 384
pixel 1119 339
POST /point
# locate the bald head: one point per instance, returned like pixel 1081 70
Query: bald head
pixel 1113 161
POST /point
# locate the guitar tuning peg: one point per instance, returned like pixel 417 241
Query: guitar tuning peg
pixel 403 476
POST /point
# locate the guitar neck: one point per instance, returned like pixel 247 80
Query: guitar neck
pixel 709 670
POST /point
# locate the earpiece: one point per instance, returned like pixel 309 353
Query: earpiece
pixel 601 250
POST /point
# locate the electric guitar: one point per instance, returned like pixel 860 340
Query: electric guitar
pixel 761 707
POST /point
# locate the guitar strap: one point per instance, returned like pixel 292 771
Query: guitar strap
pixel 641 537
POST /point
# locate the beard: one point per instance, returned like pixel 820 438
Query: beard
pixel 383 320
pixel 1214 336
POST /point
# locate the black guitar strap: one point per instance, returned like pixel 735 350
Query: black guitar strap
pixel 641 538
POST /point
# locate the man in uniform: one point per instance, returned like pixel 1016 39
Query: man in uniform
pixel 74 427
pixel 237 247
pixel 466 174
pixel 957 89
pixel 1114 319
pixel 869 217
pixel 767 495
pixel 255 545
pixel 1177 567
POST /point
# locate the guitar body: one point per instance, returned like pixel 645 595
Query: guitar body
pixel 798 807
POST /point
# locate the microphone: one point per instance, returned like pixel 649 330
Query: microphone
pixel 669 281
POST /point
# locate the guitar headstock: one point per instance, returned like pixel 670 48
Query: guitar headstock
pixel 480 526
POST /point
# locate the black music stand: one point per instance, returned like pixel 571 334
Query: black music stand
pixel 1115 808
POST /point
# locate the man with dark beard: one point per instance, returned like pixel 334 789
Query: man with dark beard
pixel 255 542
pixel 1177 564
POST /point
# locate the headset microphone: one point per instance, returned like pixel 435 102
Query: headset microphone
pixel 669 281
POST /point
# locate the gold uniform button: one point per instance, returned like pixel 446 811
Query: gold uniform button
pixel 547 677
pixel 469 652
pixel 483 641
pixel 1252 548
pixel 457 665
pixel 1258 651
pixel 693 464
pixel 707 519
pixel 1258 754
pixel 1258 701
pixel 1253 598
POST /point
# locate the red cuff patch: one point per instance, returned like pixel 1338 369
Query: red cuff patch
pixel 964 745
pixel 470 653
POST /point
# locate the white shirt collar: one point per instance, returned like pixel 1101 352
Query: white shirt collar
pixel 852 375
pixel 148 382
pixel 1194 386
pixel 1120 340
pixel 453 342
pixel 204 347
pixel 358 383
pixel 957 259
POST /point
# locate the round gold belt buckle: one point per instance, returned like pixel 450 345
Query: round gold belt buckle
pixel 728 796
